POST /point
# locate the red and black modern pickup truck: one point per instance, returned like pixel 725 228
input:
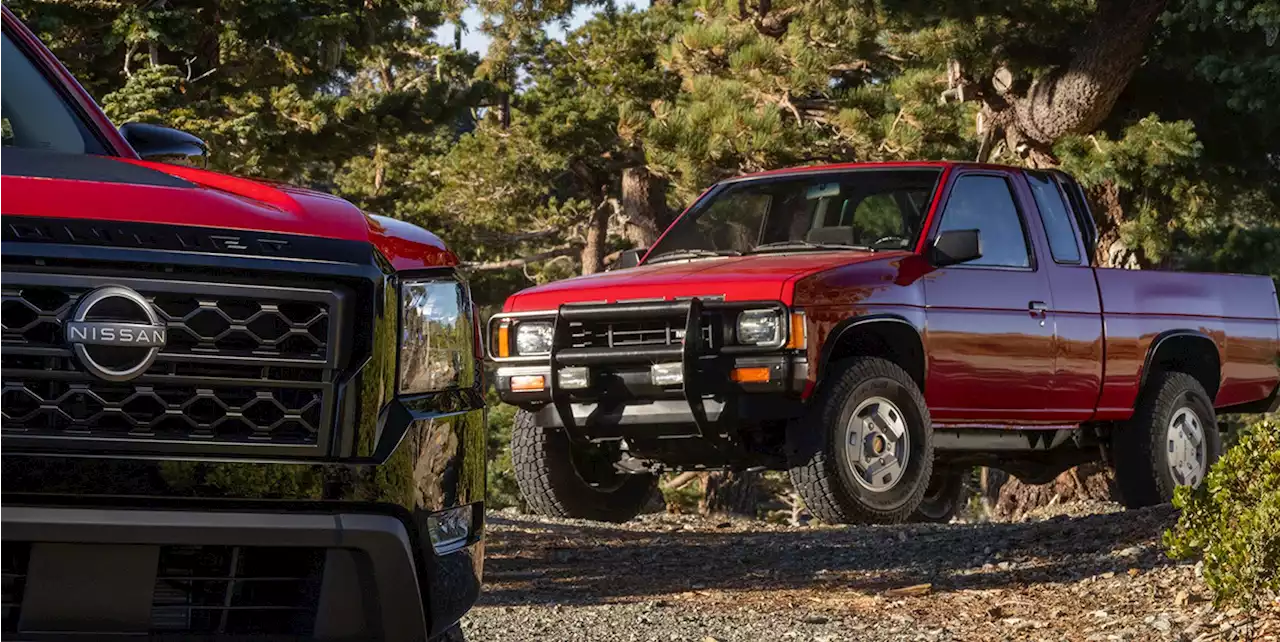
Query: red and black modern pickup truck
pixel 876 329
pixel 230 408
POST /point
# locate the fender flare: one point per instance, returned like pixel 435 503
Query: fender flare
pixel 1174 334
pixel 849 325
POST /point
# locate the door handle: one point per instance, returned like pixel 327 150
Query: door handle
pixel 1039 310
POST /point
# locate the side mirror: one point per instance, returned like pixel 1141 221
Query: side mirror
pixel 165 145
pixel 953 247
pixel 629 258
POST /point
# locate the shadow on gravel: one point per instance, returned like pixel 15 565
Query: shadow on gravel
pixel 530 561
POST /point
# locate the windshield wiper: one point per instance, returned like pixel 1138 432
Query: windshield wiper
pixel 782 246
pixel 690 254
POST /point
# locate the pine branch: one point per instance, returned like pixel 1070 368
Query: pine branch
pixel 563 250
pixel 519 237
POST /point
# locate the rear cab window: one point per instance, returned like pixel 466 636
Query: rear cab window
pixel 1056 215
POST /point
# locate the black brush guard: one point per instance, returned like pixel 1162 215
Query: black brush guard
pixel 690 352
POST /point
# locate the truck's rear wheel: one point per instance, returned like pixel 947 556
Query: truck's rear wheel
pixel 1171 441
pixel 558 479
pixel 943 498
pixel 864 453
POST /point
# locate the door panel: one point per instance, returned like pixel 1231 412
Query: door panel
pixel 990 326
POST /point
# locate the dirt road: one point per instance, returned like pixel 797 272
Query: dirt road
pixel 1095 574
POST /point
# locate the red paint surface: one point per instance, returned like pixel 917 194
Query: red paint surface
pixel 989 359
pixel 219 200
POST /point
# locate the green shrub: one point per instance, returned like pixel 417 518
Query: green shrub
pixel 502 491
pixel 1232 520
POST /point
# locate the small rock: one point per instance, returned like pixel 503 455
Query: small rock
pixel 902 536
pixel 814 619
pixel 1133 572
pixel 1108 575
pixel 1161 625
pixel 1132 551
pixel 1182 598
pixel 1004 566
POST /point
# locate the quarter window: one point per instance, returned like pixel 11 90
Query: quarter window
pixel 1057 218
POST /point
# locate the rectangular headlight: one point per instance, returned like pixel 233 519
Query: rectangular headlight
pixel 437 340
pixel 758 327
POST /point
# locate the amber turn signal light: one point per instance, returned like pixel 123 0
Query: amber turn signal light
pixel 798 340
pixel 503 349
pixel 528 383
pixel 750 375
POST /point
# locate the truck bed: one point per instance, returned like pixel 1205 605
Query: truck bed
pixel 1239 313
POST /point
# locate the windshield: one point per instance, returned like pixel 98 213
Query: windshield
pixel 35 115
pixel 878 209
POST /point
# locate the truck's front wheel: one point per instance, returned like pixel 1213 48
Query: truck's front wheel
pixel 558 479
pixel 864 453
pixel 1171 441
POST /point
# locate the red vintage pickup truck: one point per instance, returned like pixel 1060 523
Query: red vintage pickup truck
pixel 877 329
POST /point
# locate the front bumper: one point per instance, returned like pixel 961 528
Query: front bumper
pixel 87 540
pixel 623 400
pixel 170 486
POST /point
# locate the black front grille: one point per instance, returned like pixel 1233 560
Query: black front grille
pixel 244 366
pixel 13 567
pixel 631 334
pixel 246 590
pixel 197 324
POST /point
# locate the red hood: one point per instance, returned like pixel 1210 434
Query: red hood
pixel 745 278
pixel 91 188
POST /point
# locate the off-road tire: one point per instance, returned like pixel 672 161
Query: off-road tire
pixel 551 485
pixel 816 449
pixel 943 498
pixel 1140 445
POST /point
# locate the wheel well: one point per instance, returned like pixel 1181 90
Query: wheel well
pixel 1193 354
pixel 891 339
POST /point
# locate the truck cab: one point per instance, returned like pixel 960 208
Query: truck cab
pixel 876 329
pixel 231 409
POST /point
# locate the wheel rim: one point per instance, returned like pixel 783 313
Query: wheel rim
pixel 877 444
pixel 1186 448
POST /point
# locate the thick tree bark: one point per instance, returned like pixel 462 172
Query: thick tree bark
pixel 731 493
pixel 643 206
pixel 1088 482
pixel 597 232
pixel 1077 97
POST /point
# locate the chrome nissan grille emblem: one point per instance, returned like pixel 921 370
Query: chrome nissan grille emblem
pixel 115 333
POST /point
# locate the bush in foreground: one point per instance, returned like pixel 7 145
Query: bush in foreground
pixel 1232 521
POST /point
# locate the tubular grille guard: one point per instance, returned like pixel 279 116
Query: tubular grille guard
pixel 690 315
pixel 247 369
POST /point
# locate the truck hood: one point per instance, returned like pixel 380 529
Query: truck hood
pixel 740 278
pixel 81 186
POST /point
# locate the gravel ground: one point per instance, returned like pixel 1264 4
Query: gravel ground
pixel 1070 573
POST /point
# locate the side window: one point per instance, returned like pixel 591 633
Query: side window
pixel 985 203
pixel 1057 218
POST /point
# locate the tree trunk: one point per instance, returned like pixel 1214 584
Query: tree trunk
pixel 597 232
pixel 731 493
pixel 1087 482
pixel 644 206
pixel 1077 97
